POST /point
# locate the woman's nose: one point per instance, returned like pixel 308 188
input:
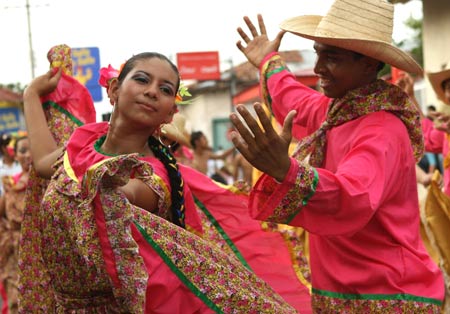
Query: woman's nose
pixel 152 90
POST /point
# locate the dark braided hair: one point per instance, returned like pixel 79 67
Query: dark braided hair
pixel 176 180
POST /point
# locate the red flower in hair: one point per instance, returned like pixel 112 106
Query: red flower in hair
pixel 106 75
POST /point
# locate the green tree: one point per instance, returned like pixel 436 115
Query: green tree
pixel 17 87
pixel 413 44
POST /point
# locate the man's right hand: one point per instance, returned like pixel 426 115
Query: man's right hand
pixel 259 46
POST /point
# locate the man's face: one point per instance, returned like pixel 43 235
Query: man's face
pixel 342 70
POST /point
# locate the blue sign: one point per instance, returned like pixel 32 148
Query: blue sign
pixel 86 69
pixel 9 120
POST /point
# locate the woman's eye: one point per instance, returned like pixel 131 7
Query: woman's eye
pixel 167 90
pixel 141 79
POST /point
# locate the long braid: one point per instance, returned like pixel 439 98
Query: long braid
pixel 176 180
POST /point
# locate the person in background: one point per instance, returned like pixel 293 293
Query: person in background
pixel 242 170
pixel 204 153
pixel 435 125
pixel 437 206
pixel 8 164
pixel 12 205
pixel 351 182
pixel 180 146
pixel 117 222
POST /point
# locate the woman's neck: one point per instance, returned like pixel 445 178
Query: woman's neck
pixel 115 144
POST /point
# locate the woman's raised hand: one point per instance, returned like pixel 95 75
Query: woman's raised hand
pixel 46 83
pixel 257 44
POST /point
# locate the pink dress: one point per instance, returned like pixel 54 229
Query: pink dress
pixel 437 142
pixel 57 237
pixel 103 254
pixel 360 207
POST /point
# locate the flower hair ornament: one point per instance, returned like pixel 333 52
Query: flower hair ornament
pixel 107 75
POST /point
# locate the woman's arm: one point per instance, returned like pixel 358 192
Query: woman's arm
pixel 140 194
pixel 42 144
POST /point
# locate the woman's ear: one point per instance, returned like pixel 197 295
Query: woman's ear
pixel 171 113
pixel 113 91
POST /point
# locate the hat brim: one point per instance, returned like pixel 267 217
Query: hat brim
pixel 175 135
pixel 305 26
pixel 436 79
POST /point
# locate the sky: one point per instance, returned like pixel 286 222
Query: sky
pixel 123 28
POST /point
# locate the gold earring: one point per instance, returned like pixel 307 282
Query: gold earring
pixel 112 111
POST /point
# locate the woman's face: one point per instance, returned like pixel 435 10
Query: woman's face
pixel 23 154
pixel 146 97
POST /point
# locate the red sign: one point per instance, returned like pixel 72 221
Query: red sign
pixel 199 65
pixel 396 74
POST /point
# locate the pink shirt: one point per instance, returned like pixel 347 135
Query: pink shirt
pixel 363 217
pixel 436 142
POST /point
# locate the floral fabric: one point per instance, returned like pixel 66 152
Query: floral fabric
pixel 127 254
pixel 35 295
pixel 10 222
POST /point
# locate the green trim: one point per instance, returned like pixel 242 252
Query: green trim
pixel 176 271
pixel 275 71
pixel 307 197
pixel 401 296
pixel 222 233
pixel 313 187
pixel 59 108
pixel 98 147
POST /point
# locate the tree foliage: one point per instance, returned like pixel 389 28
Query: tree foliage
pixel 412 45
pixel 15 87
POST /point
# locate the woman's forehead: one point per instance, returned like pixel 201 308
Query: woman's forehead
pixel 156 67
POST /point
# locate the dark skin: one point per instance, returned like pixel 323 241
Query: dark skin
pixel 263 147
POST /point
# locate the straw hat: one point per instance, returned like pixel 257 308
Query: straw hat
pixel 363 26
pixel 437 78
pixel 176 130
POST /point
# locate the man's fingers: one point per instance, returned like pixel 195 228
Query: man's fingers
pixel 243 35
pixel 262 26
pixel 239 143
pixel 287 125
pixel 244 132
pixel 251 122
pixel 264 120
pixel 250 26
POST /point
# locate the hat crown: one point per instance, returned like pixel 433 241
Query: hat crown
pixel 358 19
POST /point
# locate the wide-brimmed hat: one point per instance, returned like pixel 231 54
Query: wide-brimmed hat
pixel 363 26
pixel 176 130
pixel 437 78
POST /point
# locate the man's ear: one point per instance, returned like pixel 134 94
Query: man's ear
pixel 371 65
